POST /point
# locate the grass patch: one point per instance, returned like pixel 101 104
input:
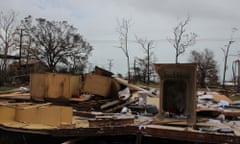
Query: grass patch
pixel 5 88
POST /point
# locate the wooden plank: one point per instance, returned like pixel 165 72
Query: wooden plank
pixel 218 97
pixel 110 122
pixel 184 134
pixel 103 72
pixel 121 106
pixel 87 114
pixel 34 106
pixel 110 104
pixel 132 86
pixel 167 121
pixel 233 113
pixel 14 104
pixel 14 94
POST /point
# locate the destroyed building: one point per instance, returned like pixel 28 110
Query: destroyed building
pixel 72 108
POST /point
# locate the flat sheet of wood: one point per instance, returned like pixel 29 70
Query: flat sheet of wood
pixel 218 97
pixel 14 94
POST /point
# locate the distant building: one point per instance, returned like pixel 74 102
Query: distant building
pixel 20 73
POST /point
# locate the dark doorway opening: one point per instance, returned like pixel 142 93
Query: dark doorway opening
pixel 174 96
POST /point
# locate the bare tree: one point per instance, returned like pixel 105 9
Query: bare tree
pixel 206 67
pixel 123 30
pixel 181 40
pixel 226 53
pixel 146 46
pixel 140 69
pixel 57 42
pixel 141 72
pixel 7 28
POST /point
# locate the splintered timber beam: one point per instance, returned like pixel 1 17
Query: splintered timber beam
pixel 109 104
pixel 122 105
pixel 132 86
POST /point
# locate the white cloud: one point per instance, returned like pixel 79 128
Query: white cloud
pixel 152 19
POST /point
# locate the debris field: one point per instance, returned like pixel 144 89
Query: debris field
pixel 102 104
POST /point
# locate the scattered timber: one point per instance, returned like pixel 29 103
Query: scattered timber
pixel 132 86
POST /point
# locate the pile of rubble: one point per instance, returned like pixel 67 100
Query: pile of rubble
pixel 98 97
pixel 102 92
pixel 217 113
pixel 102 100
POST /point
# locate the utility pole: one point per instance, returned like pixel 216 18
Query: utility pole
pixel 226 53
pixel 238 77
pixel 236 74
pixel 225 62
pixel 20 47
pixel 110 64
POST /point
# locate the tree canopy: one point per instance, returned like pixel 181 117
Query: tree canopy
pixel 206 67
pixel 56 43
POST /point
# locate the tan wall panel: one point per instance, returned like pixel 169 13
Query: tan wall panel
pixel 98 85
pixel 75 85
pixel 38 87
pixel 47 115
pixel 7 113
pixel 66 115
pixel 50 116
pixel 27 115
pixel 58 85
pixel 52 85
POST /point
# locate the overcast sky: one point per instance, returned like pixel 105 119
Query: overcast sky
pixel 96 20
